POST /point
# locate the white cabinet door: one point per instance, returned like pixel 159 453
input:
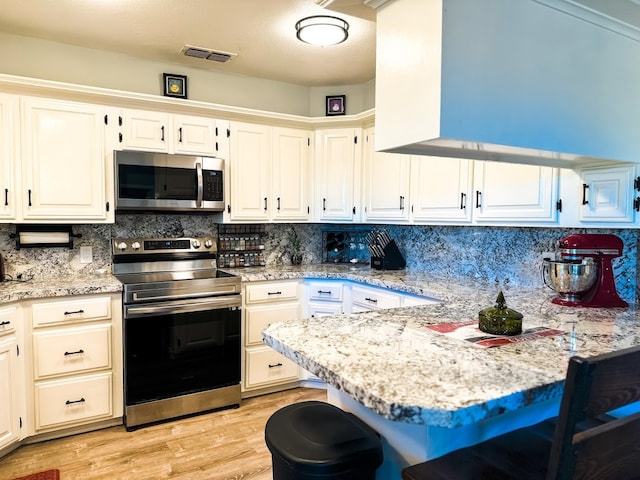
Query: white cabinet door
pixel 337 174
pixel 249 169
pixel 291 158
pixel 513 192
pixel 9 393
pixel 607 195
pixel 386 183
pixel 441 189
pixel 194 135
pixel 8 155
pixel 63 161
pixel 145 130
pixel 12 404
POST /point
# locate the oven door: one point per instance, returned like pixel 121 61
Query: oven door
pixel 179 348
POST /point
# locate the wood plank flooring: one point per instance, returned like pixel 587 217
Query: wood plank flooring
pixel 224 445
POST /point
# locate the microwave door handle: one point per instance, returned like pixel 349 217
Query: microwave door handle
pixel 200 188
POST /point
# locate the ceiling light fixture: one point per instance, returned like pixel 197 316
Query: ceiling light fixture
pixel 322 30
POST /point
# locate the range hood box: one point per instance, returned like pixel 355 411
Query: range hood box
pixel 504 80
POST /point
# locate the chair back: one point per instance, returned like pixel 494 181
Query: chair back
pixel 588 443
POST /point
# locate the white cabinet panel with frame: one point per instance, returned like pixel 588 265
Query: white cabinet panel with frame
pixel 156 131
pixel 607 195
pixel 64 168
pixel 9 166
pixel 509 192
pixel 268 171
pixel 263 368
pixel 385 183
pixel 337 174
pixel 76 348
pixel 441 190
pixel 12 373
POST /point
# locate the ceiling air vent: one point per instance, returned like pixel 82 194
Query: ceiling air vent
pixel 207 54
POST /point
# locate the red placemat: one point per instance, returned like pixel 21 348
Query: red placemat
pixel 468 330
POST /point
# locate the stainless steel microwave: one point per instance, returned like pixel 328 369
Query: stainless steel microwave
pixel 147 181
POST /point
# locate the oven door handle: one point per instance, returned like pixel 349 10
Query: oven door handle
pixel 164 308
pixel 152 297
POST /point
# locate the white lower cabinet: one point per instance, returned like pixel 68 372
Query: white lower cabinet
pixel 69 401
pixel 364 299
pixel 264 369
pixel 12 410
pixel 322 298
pixel 274 301
pixel 76 345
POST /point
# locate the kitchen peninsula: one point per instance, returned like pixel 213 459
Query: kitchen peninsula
pixel 428 392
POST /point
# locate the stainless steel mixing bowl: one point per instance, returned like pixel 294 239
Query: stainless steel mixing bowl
pixel 570 278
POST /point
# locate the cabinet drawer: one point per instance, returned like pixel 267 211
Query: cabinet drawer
pixel 325 291
pixel 72 401
pixel 374 298
pixel 271 292
pixel 8 319
pixel 69 350
pixel 266 366
pixel 66 311
pixel 259 318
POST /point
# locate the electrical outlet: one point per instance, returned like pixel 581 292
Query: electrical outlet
pixel 86 254
pixel 548 255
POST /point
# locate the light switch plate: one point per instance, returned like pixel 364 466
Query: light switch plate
pixel 86 254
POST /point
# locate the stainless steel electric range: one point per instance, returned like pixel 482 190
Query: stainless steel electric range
pixel 181 328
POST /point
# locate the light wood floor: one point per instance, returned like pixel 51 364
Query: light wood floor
pixel 228 444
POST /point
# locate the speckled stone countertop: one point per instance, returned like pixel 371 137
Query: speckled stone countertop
pixel 58 286
pixel 390 362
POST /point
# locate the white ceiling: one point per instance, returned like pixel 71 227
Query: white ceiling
pixel 261 32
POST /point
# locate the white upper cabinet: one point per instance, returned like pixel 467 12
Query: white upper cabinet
pixel 508 192
pixel 292 155
pixel 8 153
pixel 607 195
pixel 385 183
pixel 268 173
pixel 145 130
pixel 441 189
pixel 153 131
pixel 337 174
pixel 194 135
pixel 248 170
pixel 64 168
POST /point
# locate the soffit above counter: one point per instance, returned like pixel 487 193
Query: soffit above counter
pixel 518 82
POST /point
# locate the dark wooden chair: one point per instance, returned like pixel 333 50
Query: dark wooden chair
pixel 583 442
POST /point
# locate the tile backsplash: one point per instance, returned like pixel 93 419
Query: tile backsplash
pixel 505 255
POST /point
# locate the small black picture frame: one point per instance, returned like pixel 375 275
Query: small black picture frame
pixel 174 85
pixel 336 105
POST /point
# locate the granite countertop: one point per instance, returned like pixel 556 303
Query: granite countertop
pixel 393 363
pixel 58 286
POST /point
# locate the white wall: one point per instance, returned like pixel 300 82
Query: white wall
pixel 29 57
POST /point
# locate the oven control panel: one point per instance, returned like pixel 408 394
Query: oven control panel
pixel 138 246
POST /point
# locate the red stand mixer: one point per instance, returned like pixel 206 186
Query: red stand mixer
pixel 584 275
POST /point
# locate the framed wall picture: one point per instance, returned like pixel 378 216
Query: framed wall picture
pixel 175 85
pixel 336 105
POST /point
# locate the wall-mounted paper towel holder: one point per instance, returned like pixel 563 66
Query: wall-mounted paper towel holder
pixel 31 236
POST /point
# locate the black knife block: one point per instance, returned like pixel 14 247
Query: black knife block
pixel 392 259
